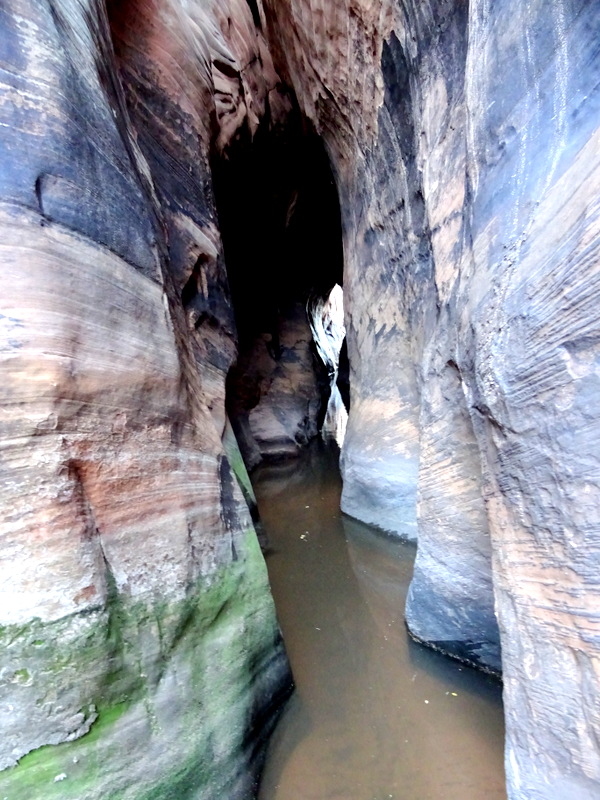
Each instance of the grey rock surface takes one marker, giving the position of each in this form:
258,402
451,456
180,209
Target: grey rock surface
278,399
464,139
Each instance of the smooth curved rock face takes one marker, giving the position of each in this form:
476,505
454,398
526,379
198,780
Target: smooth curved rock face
537,223
464,138
451,603
138,635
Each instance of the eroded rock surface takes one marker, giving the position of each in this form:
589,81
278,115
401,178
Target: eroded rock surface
138,634
281,396
464,139
464,143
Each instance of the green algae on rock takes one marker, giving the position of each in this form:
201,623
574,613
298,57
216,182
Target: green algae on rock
175,689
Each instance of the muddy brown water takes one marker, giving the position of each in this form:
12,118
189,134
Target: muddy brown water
374,715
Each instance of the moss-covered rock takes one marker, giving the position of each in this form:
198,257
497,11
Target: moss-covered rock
176,695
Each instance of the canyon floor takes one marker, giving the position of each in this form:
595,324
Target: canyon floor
375,715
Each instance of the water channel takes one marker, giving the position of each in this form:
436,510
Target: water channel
374,715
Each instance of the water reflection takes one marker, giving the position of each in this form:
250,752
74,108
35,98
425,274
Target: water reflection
374,715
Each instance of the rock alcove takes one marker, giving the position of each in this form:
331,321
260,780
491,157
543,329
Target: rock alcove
280,222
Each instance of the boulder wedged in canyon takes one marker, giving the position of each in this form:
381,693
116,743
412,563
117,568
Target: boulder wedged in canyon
464,141
141,656
284,386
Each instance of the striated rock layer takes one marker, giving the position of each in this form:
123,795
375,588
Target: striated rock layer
464,139
137,630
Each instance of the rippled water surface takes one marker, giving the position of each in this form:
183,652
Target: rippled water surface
374,716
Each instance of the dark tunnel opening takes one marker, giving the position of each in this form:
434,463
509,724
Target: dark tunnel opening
280,221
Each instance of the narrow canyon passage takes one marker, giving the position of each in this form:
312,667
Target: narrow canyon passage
190,192
374,716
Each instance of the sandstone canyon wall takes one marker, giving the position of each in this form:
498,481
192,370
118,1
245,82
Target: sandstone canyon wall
464,138
145,143
141,657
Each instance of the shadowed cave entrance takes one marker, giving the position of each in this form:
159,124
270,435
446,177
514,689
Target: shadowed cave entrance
280,221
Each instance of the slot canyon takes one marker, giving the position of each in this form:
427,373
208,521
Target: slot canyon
188,189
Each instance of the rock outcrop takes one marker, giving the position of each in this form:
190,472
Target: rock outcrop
138,633
464,140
